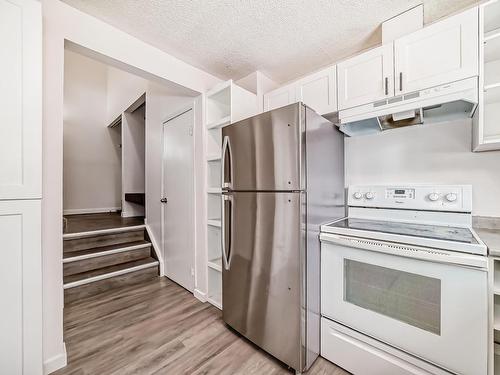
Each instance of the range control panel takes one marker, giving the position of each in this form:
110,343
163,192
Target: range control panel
457,198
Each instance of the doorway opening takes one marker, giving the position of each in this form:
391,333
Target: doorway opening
117,232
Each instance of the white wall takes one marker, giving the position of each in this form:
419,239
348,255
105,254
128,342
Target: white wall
63,23
433,154
91,163
123,90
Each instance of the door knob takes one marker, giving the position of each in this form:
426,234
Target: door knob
164,200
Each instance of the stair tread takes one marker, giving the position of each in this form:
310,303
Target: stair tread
106,270
101,249
102,232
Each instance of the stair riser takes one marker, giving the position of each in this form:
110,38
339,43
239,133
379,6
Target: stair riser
86,243
91,289
89,264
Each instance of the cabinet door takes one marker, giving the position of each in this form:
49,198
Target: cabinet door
20,288
366,78
21,98
443,52
280,97
319,91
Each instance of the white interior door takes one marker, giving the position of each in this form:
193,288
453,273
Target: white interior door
178,197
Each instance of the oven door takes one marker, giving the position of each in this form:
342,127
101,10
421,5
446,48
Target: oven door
437,311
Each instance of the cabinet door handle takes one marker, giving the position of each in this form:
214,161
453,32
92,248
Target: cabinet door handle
400,81
386,84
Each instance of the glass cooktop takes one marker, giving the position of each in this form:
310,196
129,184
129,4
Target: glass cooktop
436,232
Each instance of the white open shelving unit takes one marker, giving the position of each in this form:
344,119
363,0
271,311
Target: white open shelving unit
487,126
495,316
225,104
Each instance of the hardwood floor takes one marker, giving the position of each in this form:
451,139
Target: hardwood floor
90,222
157,327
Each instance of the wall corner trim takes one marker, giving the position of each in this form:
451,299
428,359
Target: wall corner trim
156,248
56,362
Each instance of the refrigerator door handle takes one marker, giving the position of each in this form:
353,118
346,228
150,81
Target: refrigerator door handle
226,148
226,251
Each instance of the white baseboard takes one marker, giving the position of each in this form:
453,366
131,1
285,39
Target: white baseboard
200,295
56,362
79,211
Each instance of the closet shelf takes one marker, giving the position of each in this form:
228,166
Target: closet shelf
492,34
214,223
216,264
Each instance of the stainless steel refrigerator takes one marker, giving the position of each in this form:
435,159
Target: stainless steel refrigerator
283,176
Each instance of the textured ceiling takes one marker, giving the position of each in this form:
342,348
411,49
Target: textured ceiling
282,38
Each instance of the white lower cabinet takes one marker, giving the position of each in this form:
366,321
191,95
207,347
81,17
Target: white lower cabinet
21,288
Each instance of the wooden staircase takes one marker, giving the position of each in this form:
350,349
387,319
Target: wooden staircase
100,260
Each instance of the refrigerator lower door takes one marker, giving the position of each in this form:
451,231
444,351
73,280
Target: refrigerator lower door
263,280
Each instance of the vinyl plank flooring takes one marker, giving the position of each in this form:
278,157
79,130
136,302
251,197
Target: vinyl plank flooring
91,222
157,327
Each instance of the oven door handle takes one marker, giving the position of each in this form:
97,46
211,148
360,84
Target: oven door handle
409,251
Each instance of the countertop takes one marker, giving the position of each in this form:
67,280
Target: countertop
488,230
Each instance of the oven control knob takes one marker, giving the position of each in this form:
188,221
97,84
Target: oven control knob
451,197
433,197
369,195
358,195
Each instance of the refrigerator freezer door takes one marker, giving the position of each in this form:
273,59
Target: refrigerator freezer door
263,287
264,152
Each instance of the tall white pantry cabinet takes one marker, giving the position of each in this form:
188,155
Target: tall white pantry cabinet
20,187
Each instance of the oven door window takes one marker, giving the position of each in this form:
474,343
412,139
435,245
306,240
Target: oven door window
411,298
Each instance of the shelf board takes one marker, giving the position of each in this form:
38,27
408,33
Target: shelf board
213,157
492,49
214,190
219,123
491,86
215,264
214,223
492,34
214,302
492,94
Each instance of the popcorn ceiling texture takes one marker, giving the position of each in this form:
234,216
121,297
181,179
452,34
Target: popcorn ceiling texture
282,38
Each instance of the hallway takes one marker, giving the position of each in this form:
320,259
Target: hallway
158,327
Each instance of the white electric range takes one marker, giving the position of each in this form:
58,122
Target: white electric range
404,286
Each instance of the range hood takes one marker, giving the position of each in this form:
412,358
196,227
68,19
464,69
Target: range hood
456,100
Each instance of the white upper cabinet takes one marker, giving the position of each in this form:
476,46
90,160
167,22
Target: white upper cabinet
280,97
443,52
366,78
21,98
319,90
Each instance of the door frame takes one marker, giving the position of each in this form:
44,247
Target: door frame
171,117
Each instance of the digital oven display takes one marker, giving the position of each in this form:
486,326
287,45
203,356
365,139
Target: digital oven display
398,193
